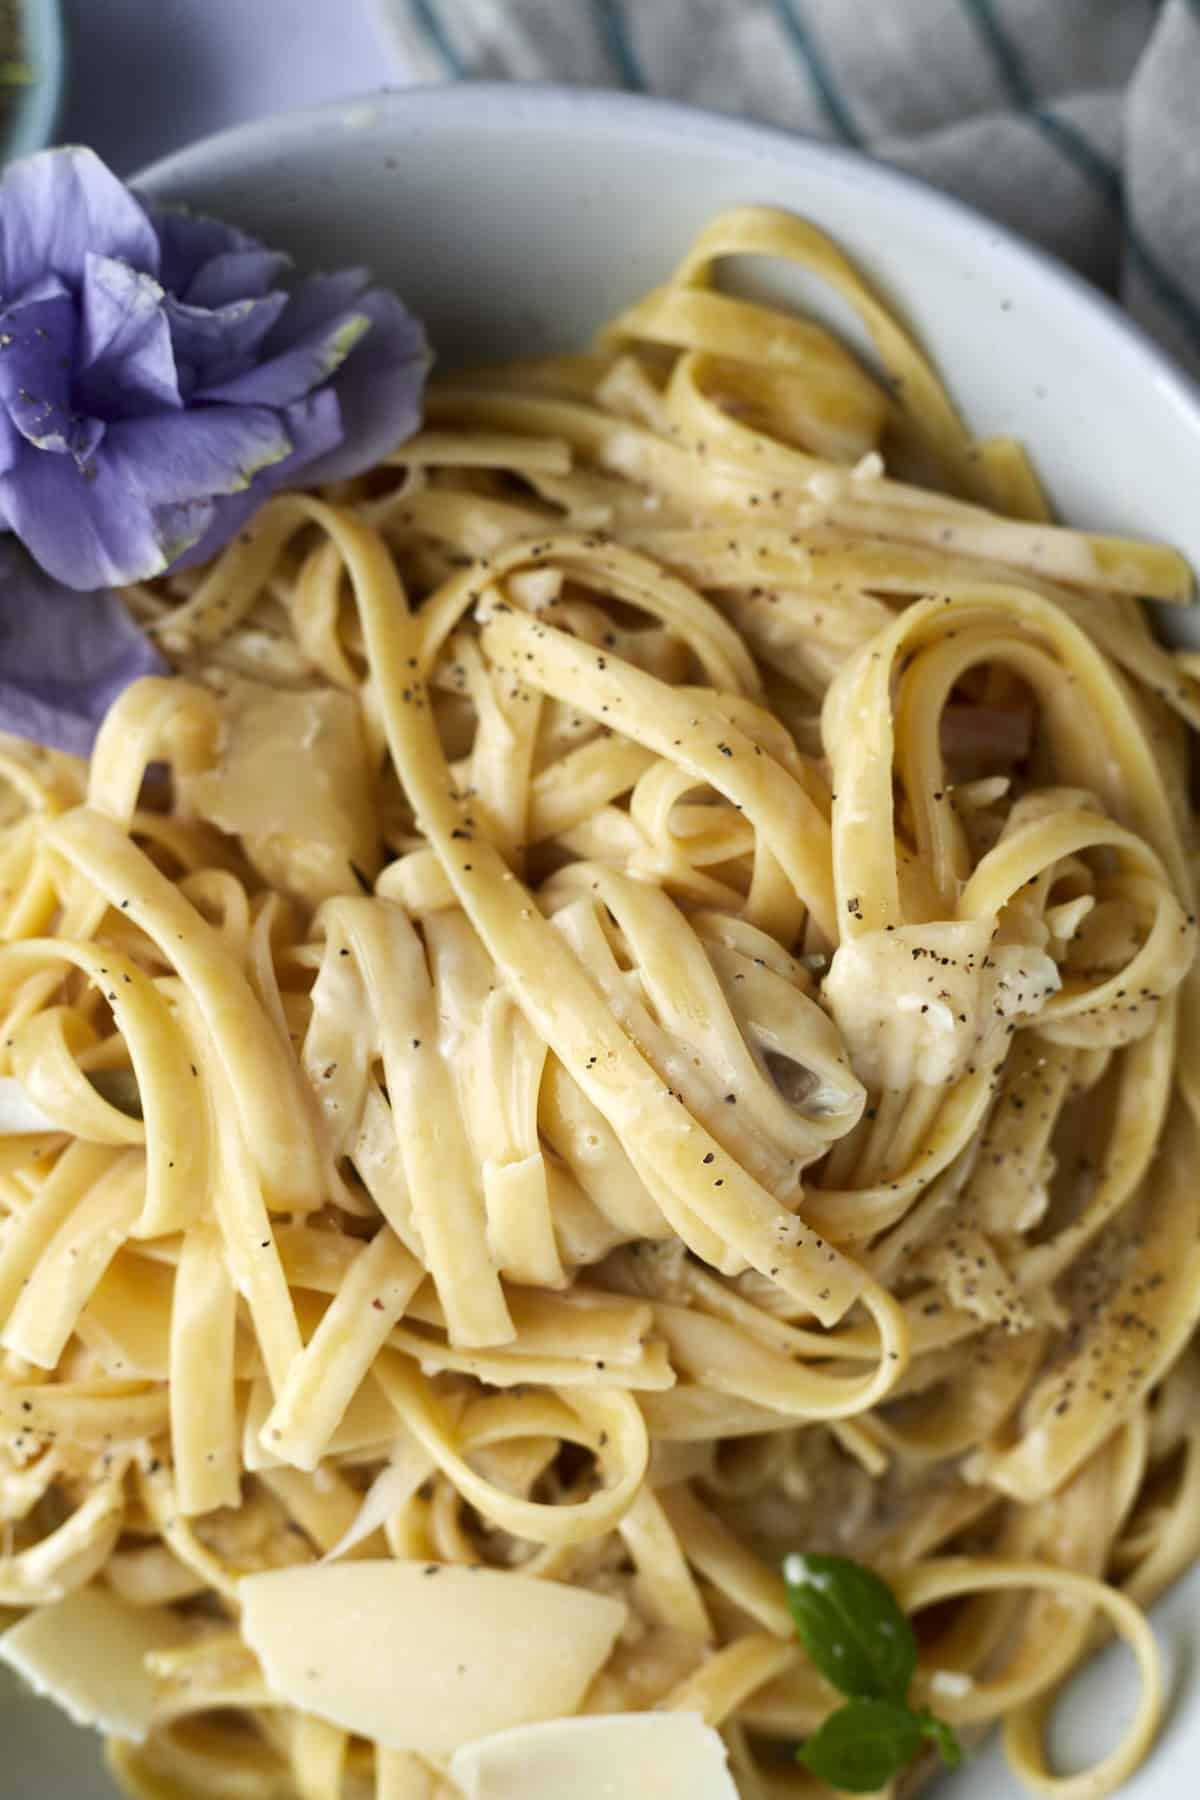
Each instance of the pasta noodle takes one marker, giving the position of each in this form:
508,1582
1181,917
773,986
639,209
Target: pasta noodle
631,1008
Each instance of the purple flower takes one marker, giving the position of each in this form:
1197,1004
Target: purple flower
64,656
157,383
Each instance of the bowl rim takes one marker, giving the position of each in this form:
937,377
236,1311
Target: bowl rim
546,107
36,112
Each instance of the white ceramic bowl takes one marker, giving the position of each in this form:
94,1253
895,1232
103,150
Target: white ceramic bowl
516,219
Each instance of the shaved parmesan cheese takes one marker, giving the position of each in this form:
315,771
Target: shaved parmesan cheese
925,1003
294,783
391,1489
425,1656
625,1756
950,1684
88,1654
18,1114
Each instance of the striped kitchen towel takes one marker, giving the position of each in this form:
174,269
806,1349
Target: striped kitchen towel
1076,122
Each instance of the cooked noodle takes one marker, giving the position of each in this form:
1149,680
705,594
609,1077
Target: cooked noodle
630,1010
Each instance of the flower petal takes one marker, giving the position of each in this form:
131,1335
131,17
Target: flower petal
126,364
315,427
172,489
313,302
84,525
174,458
182,525
58,205
38,345
211,343
64,656
46,287
234,275
188,240
379,388
10,448
155,387
297,371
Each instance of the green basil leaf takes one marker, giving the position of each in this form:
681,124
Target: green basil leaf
939,1733
849,1622
862,1745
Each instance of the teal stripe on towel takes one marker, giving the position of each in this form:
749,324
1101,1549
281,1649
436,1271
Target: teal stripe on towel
433,29
1070,142
838,112
615,33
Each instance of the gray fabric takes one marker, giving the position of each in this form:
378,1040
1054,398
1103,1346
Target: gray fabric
1076,122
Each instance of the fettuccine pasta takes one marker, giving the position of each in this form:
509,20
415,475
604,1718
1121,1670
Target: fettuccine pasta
629,1009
